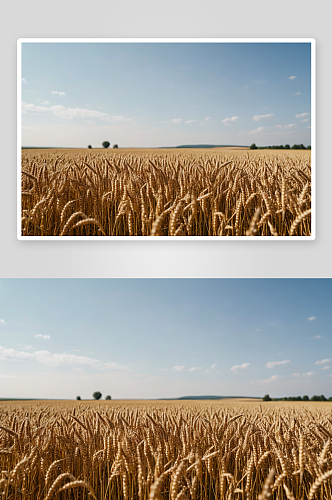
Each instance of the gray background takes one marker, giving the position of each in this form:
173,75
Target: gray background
165,18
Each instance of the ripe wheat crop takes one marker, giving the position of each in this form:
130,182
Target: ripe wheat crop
225,193
169,452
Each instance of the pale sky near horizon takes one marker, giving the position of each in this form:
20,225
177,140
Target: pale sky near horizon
164,338
165,94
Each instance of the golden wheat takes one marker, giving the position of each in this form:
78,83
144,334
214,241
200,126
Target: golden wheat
186,193
196,451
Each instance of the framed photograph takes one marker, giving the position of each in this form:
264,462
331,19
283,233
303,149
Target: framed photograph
166,138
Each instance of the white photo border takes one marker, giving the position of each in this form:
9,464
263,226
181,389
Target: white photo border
312,41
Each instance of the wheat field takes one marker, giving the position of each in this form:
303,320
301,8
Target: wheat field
174,450
219,192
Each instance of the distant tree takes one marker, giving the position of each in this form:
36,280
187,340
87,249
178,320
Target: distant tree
89,146
108,398
305,398
266,398
253,146
287,146
309,147
315,398
115,146
78,398
330,399
323,398
97,395
106,144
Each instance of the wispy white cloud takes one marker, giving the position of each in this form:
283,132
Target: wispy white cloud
259,117
322,362
177,120
179,368
70,113
272,364
292,77
24,80
212,368
326,367
305,120
120,119
303,375
311,318
236,368
40,336
191,121
63,112
258,130
297,93
226,121
57,92
317,337
274,378
302,115
291,125
54,360
2,322
194,369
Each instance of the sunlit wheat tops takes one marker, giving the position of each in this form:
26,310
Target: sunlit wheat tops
229,451
229,193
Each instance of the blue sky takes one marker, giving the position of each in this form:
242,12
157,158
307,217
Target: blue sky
165,94
155,338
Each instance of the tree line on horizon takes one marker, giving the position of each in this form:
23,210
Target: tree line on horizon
106,144
97,395
287,146
297,398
